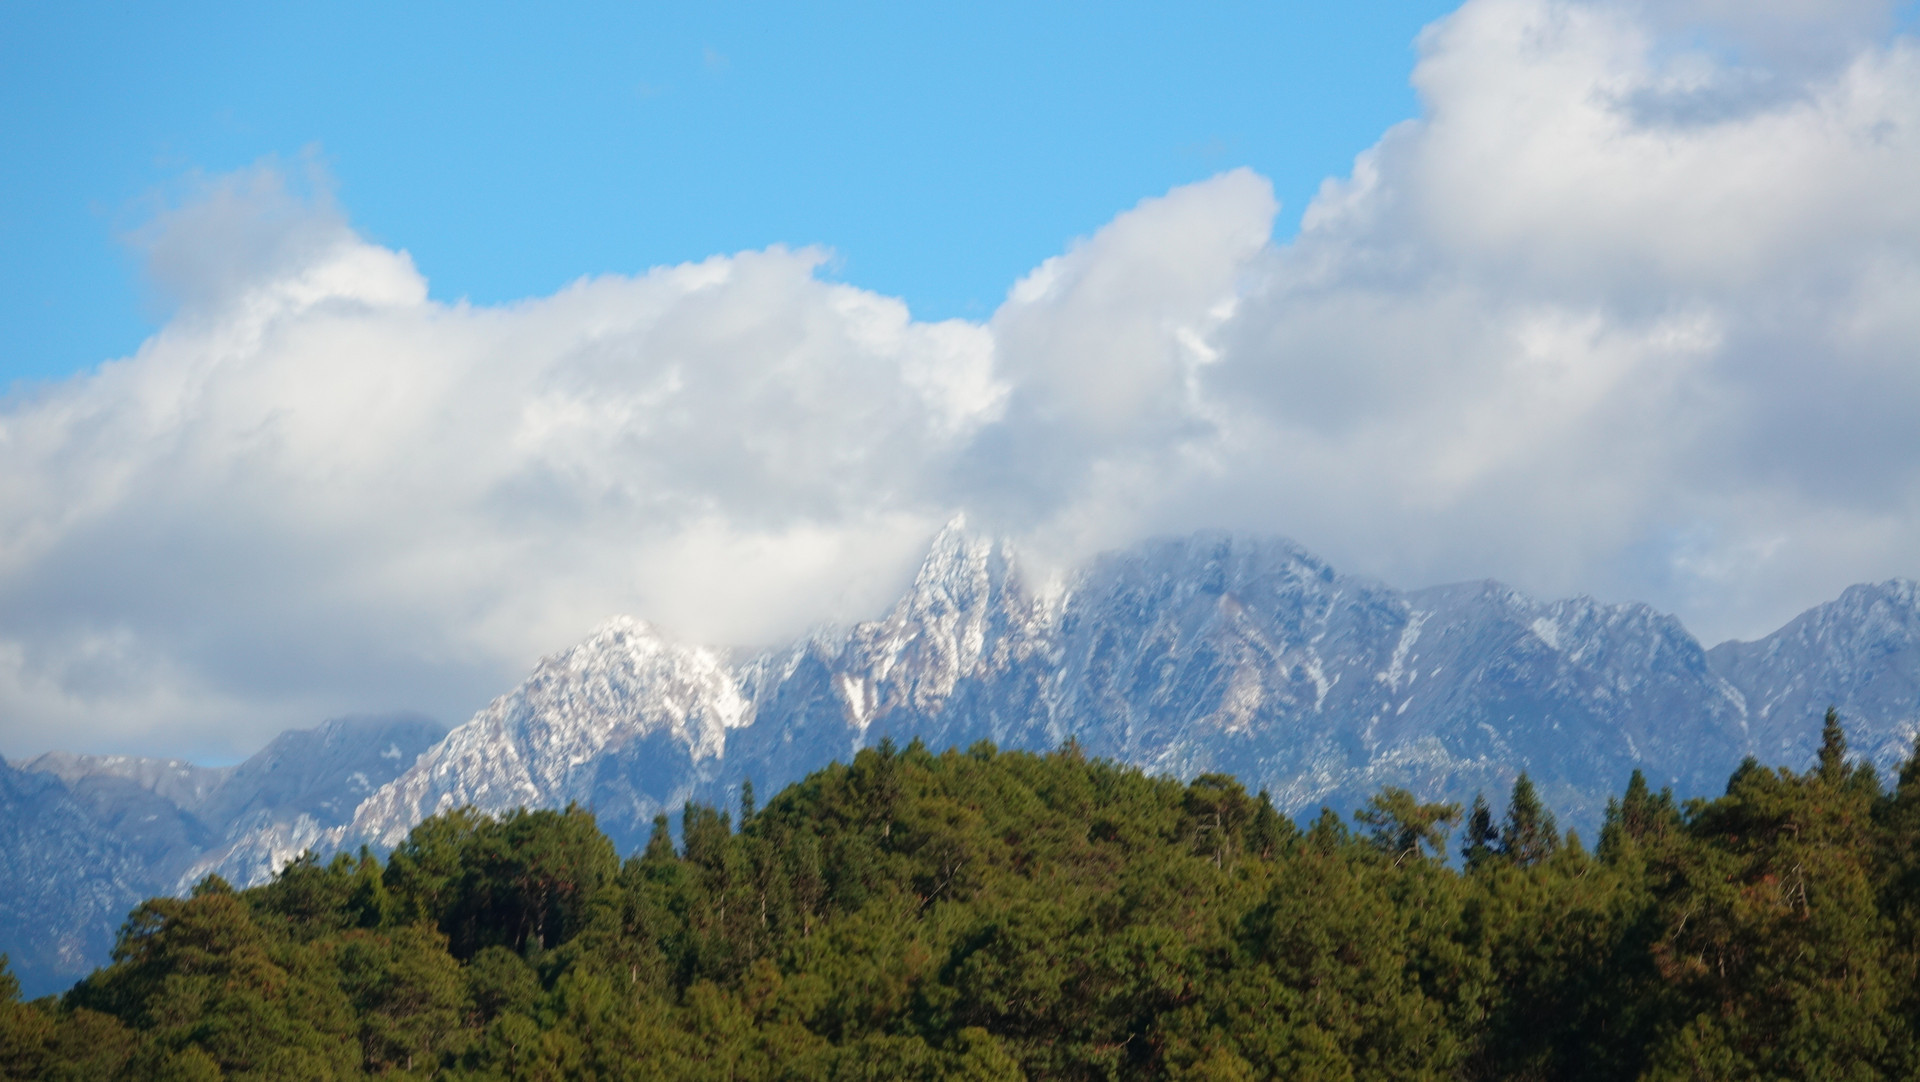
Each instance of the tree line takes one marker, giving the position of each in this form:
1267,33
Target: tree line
985,915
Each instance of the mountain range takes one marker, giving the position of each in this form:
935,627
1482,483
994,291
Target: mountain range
93,835
1189,655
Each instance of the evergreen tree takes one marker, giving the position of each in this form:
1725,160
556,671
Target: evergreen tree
660,843
1640,813
1637,817
1833,748
1908,779
1773,940
24,1031
1481,835
1528,836
1402,827
1269,829
1005,915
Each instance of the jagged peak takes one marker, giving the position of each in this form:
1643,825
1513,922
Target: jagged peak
1223,554
1899,592
954,547
635,640
177,780
621,626
1897,599
962,570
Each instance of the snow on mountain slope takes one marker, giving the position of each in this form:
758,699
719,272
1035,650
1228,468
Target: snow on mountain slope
92,835
176,781
1185,655
1578,692
66,882
297,792
624,722
150,806
970,621
1859,652
936,636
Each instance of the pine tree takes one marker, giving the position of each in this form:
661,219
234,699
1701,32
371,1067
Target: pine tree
1529,835
1328,832
1481,835
1269,829
24,1031
660,844
1634,807
369,904
1402,825
1833,749
1637,817
1085,914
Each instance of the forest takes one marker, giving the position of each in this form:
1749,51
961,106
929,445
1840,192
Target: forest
975,914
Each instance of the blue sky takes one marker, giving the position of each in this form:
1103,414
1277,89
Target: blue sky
941,150
361,355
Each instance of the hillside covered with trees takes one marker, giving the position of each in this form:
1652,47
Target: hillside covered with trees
980,915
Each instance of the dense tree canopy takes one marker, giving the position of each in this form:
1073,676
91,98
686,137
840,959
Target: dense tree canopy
978,915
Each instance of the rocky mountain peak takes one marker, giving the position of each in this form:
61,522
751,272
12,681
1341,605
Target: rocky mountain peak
1859,652
628,683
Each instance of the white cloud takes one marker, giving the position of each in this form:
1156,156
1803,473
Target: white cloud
316,490
1563,331
1628,310
1102,349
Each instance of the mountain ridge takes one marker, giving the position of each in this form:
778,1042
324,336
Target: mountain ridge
1185,655
1192,654
94,835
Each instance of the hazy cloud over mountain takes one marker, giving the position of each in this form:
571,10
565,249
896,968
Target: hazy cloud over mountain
1629,310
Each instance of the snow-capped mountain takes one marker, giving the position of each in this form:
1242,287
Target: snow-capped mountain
1860,652
298,791
627,721
1206,653
66,882
1186,655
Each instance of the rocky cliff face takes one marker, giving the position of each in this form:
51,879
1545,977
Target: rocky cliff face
298,791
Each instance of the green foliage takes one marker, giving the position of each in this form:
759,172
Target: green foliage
1403,827
1477,846
1528,836
1638,819
1833,748
978,915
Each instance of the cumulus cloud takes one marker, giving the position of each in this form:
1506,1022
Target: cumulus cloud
1557,332
1627,310
317,490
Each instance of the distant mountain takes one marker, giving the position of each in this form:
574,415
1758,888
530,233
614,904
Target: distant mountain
91,835
1207,653
623,723
1860,652
1188,655
66,882
289,795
